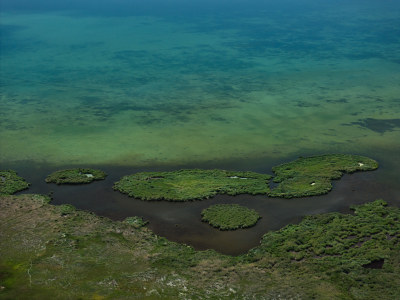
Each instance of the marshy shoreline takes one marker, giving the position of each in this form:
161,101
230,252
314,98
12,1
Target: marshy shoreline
181,222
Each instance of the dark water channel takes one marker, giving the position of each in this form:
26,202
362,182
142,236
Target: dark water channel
181,222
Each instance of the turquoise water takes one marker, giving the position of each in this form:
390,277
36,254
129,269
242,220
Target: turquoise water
128,86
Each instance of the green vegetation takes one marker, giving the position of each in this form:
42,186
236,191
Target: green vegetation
342,248
75,176
11,183
300,178
46,255
66,209
136,222
185,185
229,216
312,175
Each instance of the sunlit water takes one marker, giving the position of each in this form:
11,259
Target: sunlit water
243,85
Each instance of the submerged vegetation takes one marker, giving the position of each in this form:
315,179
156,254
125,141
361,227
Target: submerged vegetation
313,175
75,176
229,216
11,183
185,185
44,254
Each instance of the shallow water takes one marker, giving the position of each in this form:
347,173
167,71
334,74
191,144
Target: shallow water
244,85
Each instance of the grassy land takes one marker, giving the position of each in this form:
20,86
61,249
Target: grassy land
75,176
229,216
11,183
313,175
300,178
47,254
185,185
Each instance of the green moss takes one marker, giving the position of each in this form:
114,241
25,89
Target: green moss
136,222
195,184
229,216
312,175
75,176
11,183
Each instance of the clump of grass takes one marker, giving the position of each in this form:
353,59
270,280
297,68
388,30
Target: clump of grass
11,183
75,176
229,216
185,185
313,175
136,222
66,209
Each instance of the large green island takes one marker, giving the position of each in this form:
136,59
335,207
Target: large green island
303,177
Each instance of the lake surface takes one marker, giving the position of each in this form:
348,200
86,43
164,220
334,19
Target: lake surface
128,86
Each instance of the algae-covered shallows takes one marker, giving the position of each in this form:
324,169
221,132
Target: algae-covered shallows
75,176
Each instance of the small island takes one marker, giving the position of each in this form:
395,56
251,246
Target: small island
186,185
75,176
10,182
312,176
229,216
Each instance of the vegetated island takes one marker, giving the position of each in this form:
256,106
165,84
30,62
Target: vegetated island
312,176
45,254
303,177
185,185
11,183
75,176
229,216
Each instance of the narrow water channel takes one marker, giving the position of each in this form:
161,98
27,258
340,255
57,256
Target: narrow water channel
181,222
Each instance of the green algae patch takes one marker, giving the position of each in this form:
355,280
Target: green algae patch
229,216
11,183
186,185
136,222
75,176
313,175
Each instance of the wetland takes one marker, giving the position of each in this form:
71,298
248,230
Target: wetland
153,87
181,221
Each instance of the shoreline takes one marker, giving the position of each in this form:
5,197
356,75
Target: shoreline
181,222
60,254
